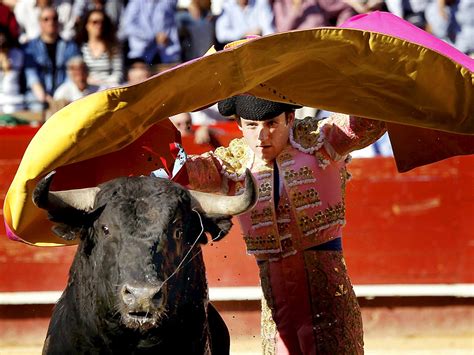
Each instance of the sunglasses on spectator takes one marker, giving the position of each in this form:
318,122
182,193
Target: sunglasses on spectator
48,19
96,22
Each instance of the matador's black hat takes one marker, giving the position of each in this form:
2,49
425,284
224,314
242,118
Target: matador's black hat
253,108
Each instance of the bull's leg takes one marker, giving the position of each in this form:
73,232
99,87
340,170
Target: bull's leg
220,338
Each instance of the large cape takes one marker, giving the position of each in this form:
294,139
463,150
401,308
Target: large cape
376,66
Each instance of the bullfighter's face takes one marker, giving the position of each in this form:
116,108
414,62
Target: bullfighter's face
267,138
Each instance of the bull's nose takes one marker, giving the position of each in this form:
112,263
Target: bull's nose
141,295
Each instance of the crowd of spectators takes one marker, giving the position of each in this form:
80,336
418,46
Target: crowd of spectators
54,50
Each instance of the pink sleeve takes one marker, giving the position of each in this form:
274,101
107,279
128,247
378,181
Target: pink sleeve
344,134
204,173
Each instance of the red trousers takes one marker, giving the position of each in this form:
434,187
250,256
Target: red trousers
312,305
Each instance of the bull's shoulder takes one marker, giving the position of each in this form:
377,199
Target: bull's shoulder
66,332
235,159
306,135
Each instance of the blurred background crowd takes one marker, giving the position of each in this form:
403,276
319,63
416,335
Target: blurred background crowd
53,52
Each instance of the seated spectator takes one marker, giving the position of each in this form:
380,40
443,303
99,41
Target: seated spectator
196,29
453,22
241,18
76,86
150,28
45,61
27,13
8,21
100,49
304,14
11,65
113,9
207,116
138,72
202,135
365,6
183,123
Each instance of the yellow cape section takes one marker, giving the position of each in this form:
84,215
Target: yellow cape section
343,70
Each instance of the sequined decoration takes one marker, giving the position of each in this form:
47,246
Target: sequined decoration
304,175
265,191
268,326
305,199
235,158
323,219
267,243
284,209
261,218
306,134
345,176
336,313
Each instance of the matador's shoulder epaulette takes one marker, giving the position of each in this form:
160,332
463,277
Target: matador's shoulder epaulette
235,159
306,135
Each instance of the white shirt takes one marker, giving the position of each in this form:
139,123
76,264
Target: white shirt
27,15
11,99
235,22
70,92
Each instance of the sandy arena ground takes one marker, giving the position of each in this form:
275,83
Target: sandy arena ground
452,345
391,327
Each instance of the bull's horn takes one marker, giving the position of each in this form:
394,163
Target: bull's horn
228,205
80,199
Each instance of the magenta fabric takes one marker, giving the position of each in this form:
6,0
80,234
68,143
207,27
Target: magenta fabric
387,23
415,146
10,234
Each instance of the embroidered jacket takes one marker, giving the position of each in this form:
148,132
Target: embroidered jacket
312,174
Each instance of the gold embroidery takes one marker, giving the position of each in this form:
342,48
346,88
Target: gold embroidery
283,209
236,157
261,217
323,160
302,176
268,326
341,291
308,198
265,191
266,243
345,176
286,159
322,219
306,132
283,229
336,315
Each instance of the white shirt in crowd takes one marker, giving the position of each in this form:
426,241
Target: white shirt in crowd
69,91
11,99
27,15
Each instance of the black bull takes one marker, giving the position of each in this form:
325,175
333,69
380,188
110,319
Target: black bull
137,283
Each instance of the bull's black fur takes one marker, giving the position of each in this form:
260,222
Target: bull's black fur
138,233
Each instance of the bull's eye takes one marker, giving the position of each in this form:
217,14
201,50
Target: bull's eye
178,233
105,229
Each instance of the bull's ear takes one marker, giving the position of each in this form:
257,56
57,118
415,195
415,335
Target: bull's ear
66,232
73,226
217,225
